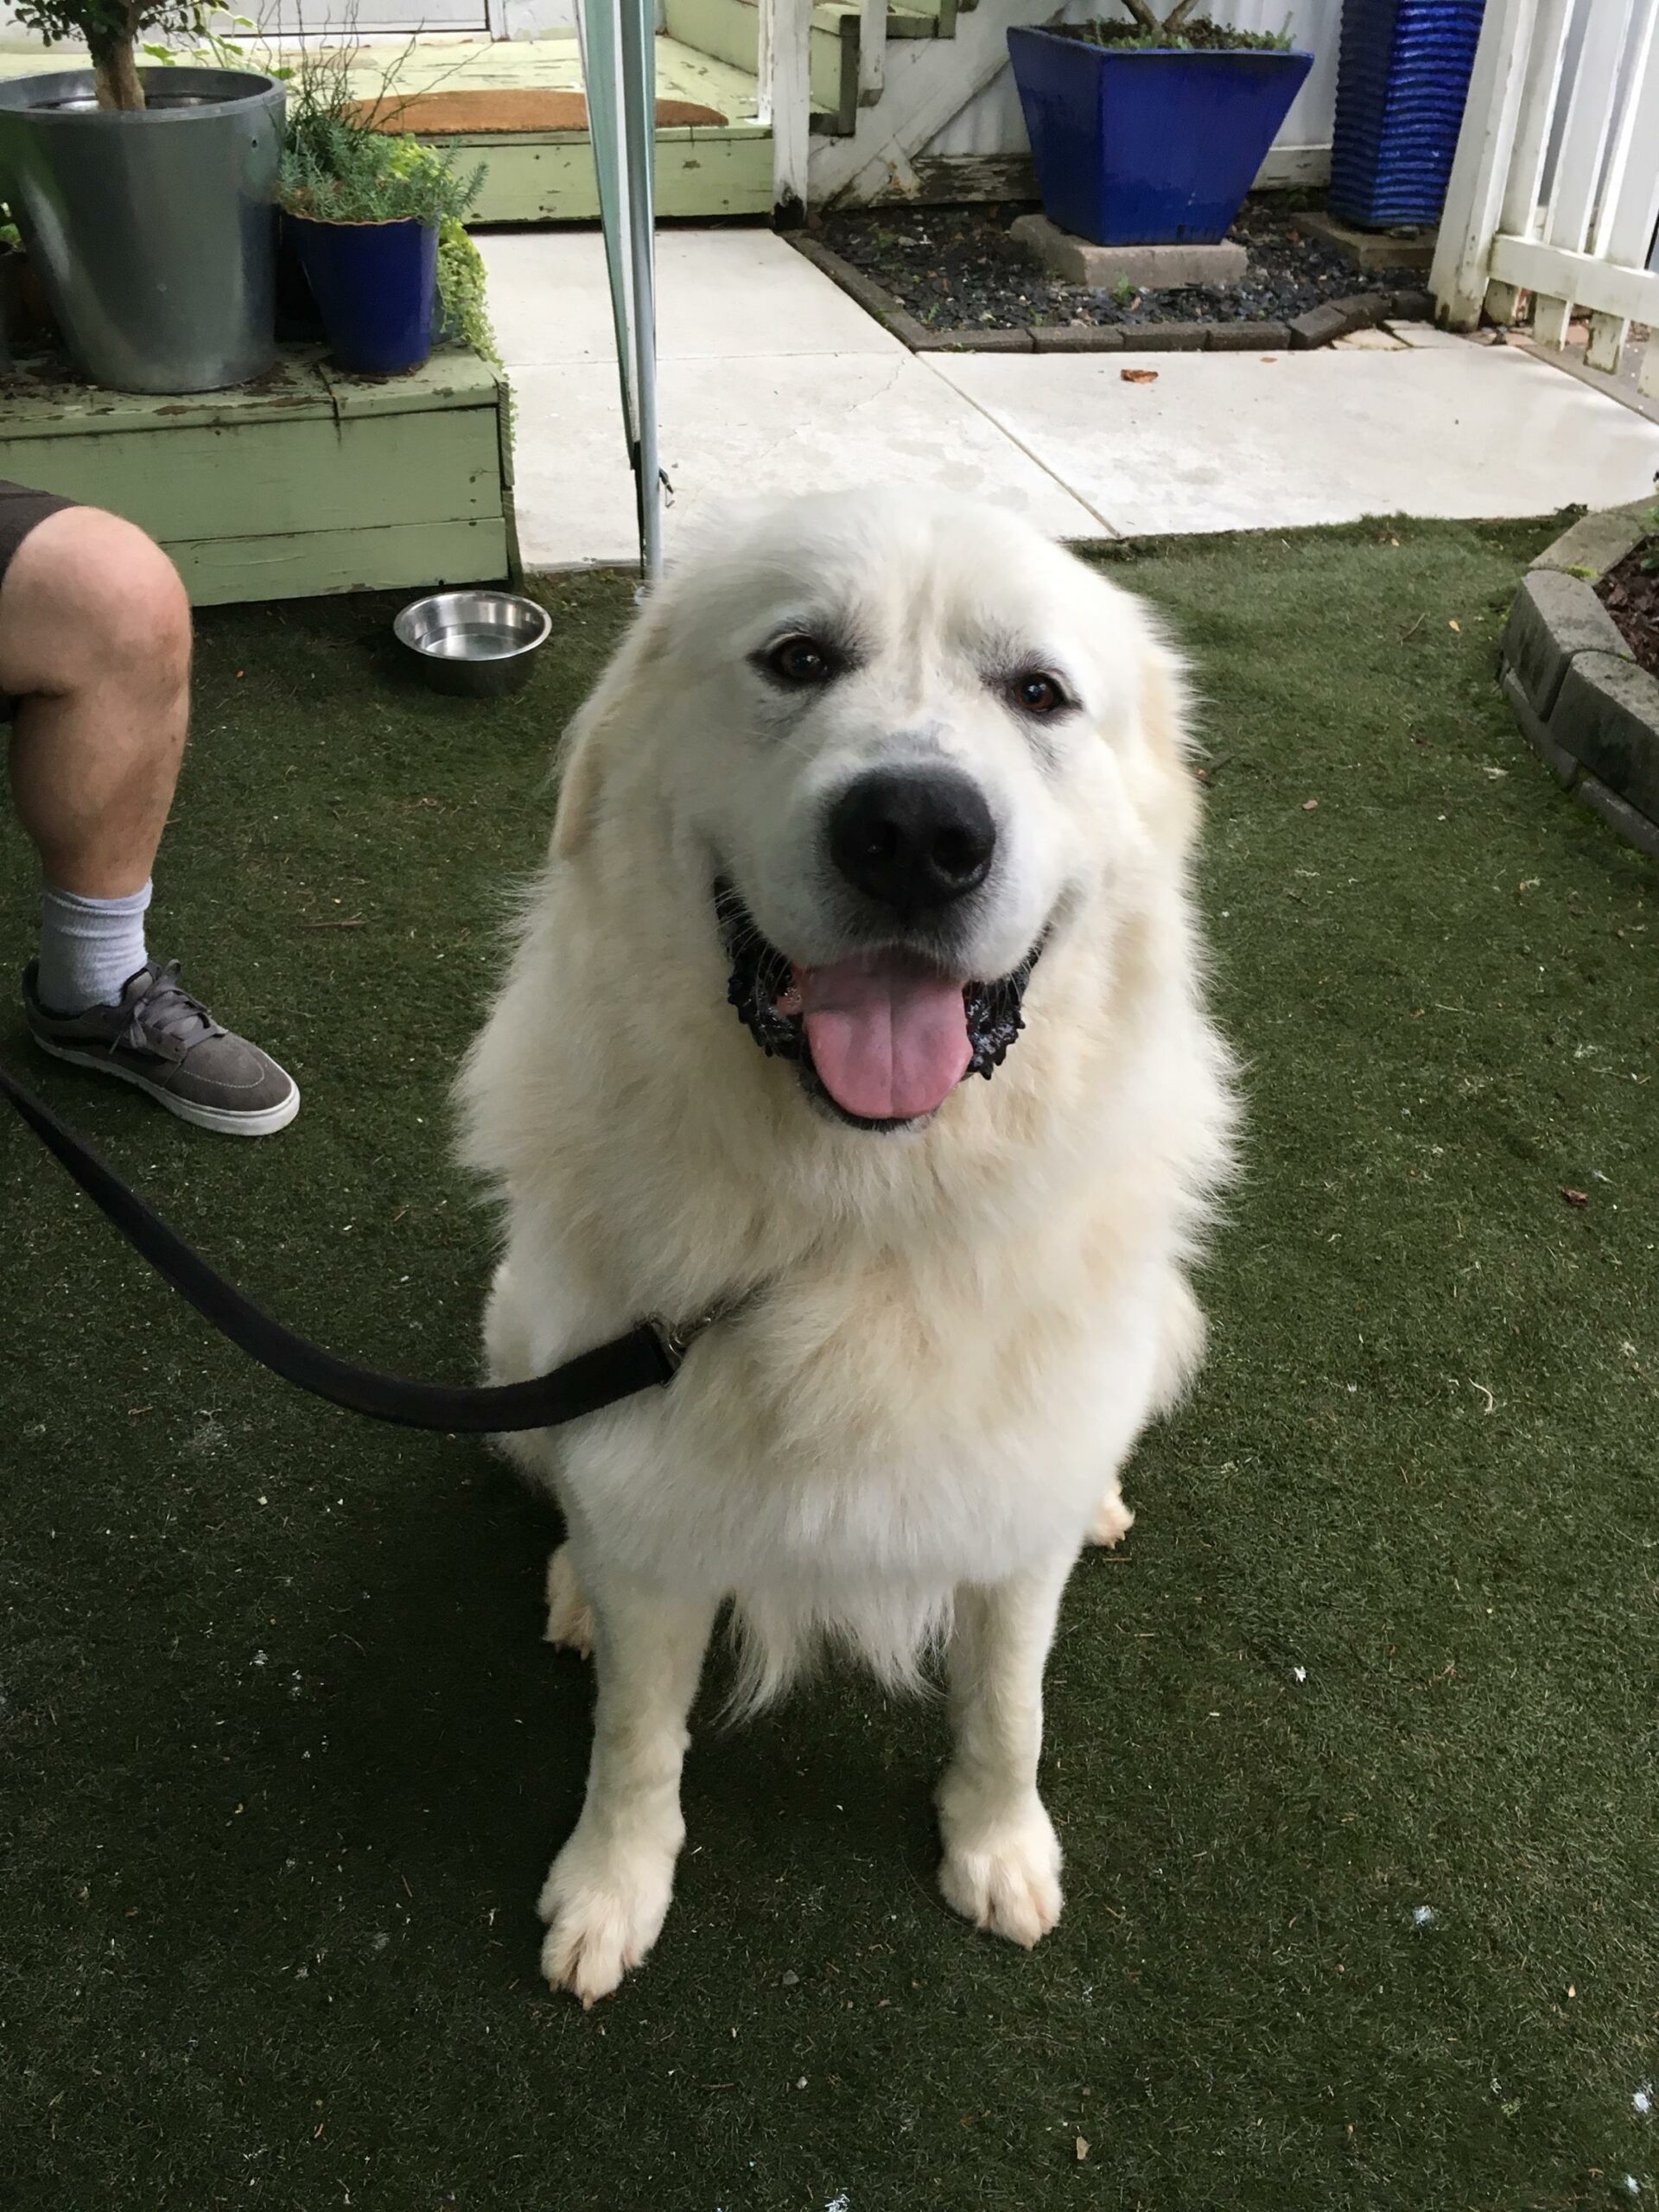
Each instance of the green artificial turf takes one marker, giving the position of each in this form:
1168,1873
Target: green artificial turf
1352,1749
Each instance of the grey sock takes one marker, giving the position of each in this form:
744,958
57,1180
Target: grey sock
90,948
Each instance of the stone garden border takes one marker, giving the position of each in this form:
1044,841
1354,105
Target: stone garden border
1583,703
1331,320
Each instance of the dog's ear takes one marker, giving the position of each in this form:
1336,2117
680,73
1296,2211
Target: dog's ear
610,706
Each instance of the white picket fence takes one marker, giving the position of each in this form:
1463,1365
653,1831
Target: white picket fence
1555,188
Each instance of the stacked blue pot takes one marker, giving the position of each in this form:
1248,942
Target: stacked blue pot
1401,81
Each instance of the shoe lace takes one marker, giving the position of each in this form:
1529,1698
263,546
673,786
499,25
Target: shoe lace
166,1014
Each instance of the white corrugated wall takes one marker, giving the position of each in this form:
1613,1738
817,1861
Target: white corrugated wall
992,124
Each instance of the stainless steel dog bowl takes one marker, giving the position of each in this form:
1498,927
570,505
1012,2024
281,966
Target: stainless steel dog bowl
477,643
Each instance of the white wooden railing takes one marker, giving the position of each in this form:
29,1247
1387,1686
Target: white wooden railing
1555,188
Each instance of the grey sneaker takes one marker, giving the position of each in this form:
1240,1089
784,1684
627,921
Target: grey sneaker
168,1043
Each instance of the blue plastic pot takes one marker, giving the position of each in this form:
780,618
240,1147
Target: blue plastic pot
1403,77
1148,146
374,285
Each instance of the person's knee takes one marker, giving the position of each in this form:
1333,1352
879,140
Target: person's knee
95,598
137,613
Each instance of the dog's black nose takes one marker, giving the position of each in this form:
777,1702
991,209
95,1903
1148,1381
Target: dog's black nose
914,838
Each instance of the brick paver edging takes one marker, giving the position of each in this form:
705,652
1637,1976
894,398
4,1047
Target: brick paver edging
1333,319
1585,707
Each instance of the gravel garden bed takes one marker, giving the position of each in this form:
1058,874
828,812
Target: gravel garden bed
943,276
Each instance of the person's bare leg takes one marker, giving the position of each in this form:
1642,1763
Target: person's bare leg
95,648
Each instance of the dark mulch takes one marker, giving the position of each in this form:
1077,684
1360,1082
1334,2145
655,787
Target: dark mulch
1631,594
953,267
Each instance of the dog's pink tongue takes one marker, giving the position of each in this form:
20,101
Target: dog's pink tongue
889,1036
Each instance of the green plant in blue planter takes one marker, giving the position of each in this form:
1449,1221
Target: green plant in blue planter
1148,130
364,211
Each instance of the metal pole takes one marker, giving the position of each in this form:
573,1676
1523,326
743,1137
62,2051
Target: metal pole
619,68
639,147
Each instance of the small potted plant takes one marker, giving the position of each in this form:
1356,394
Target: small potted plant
363,211
1149,130
144,196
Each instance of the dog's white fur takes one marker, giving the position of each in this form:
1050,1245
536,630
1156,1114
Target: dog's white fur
962,1326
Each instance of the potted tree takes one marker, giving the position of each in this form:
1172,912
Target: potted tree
144,196
1149,130
363,211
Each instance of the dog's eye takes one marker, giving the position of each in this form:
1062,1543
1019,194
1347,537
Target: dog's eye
1036,692
800,660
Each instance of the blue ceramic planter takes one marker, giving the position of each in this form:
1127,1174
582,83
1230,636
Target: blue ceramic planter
1149,147
374,285
1401,81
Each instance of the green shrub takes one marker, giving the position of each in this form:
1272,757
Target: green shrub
461,291
337,168
336,171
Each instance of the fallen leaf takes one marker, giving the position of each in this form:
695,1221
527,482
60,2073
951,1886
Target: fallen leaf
1308,805
1458,627
1083,2148
1138,376
1576,1197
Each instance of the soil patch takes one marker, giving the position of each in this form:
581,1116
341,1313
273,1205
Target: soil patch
1631,594
957,267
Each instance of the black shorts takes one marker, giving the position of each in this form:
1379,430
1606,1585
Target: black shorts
20,509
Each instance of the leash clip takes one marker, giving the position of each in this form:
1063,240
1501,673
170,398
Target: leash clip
675,1339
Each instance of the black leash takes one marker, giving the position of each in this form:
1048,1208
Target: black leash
648,1357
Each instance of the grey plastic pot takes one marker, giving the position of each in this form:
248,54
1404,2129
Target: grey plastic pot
154,232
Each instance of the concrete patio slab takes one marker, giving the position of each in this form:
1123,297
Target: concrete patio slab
757,423
1234,442
720,294
773,380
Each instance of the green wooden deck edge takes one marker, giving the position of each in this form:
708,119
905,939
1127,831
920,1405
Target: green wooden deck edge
220,572
310,481
549,177
304,386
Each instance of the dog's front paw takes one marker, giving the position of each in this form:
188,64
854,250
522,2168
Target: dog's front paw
604,1910
569,1616
1000,1869
1113,1519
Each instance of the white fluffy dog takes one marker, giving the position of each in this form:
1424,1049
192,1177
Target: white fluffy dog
882,794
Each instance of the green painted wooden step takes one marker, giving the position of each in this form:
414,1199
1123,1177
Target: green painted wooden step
729,30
